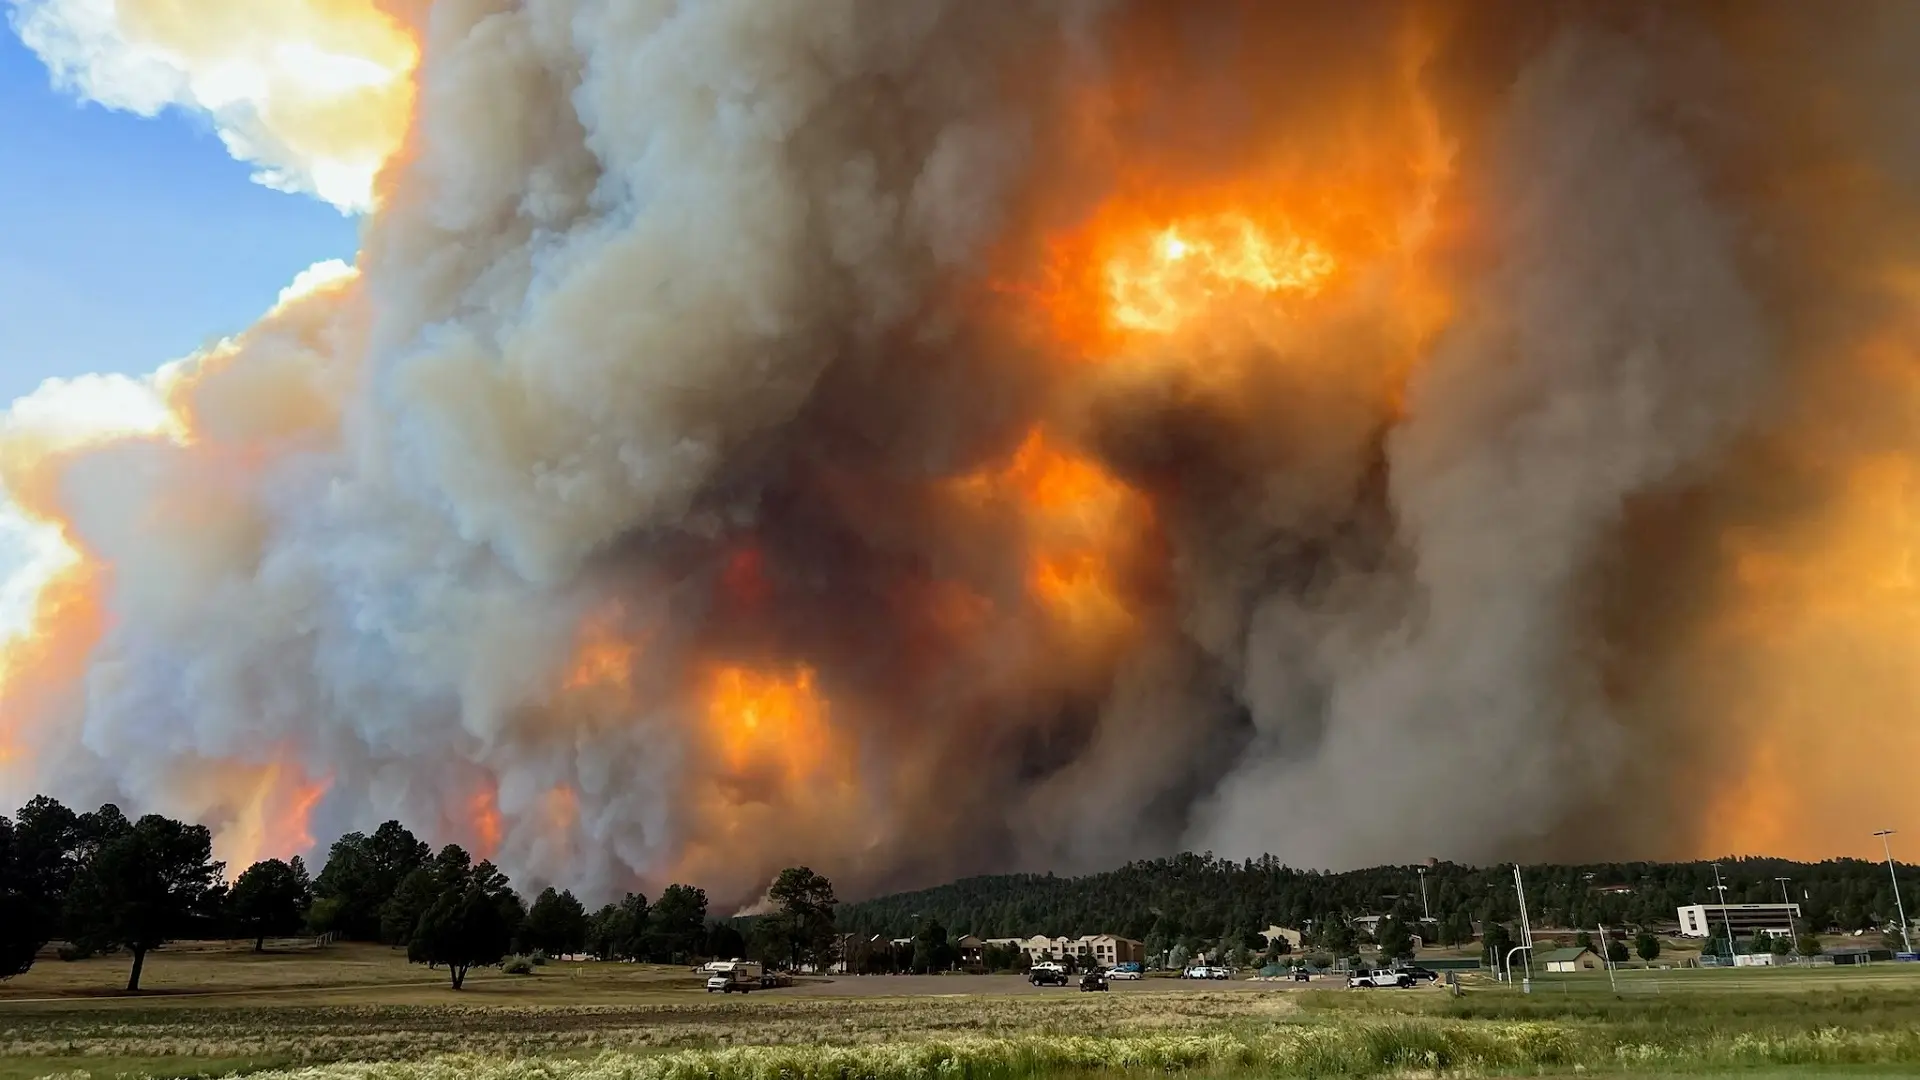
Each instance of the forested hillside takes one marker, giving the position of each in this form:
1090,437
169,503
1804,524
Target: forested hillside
1199,899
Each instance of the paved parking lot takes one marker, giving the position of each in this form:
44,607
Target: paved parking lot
914,985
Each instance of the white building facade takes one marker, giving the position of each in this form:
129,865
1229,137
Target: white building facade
1706,920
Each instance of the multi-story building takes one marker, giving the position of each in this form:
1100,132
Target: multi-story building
1105,950
1111,949
1706,920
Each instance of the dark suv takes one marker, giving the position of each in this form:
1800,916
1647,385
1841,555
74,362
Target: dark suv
1093,980
1047,976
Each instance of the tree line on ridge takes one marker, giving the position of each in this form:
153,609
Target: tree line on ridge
101,883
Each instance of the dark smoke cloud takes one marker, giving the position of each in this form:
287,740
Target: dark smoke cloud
744,341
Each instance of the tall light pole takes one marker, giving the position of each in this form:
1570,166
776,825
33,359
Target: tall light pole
1725,917
1425,911
1607,959
1787,900
1887,845
1526,935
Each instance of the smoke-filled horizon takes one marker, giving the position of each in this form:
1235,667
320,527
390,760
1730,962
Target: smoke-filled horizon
915,438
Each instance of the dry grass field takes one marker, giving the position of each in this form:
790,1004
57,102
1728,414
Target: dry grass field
342,974
363,1013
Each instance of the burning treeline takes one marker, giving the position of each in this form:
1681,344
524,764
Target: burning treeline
917,438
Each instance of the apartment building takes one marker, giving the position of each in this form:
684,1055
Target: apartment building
1104,950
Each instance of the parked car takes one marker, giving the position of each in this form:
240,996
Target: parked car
1377,978
1217,973
1047,975
1093,980
1420,974
1122,973
1300,975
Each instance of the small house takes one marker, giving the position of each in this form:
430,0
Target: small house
1573,960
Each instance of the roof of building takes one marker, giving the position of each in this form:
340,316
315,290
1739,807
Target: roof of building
1563,955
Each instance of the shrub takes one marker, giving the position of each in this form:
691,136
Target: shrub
539,957
517,965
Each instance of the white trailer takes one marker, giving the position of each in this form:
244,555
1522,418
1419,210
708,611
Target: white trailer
727,976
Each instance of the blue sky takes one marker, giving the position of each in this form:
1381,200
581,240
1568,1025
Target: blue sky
126,242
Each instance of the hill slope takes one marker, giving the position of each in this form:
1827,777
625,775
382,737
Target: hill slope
1201,899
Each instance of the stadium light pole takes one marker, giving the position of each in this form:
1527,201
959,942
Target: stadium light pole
1608,961
1526,935
1788,901
1725,917
1425,911
1897,905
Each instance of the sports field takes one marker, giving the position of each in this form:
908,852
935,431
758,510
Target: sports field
351,1012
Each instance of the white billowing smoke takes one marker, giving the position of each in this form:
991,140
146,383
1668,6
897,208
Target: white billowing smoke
313,92
647,504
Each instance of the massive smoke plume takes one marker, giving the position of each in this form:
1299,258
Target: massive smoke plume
915,437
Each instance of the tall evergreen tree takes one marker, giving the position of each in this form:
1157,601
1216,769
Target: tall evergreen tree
139,887
619,931
805,916
556,923
25,923
361,875
270,897
676,926
465,927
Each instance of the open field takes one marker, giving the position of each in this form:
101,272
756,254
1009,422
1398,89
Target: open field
360,1013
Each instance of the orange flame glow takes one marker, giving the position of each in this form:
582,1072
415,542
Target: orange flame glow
50,659
1161,280
769,722
271,807
780,768
1079,522
560,809
602,657
483,812
1806,658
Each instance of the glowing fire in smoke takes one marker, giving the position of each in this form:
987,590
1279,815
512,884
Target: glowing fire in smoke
769,722
779,766
1079,522
37,666
1176,273
603,657
270,812
483,813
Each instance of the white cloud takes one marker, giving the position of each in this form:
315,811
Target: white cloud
315,93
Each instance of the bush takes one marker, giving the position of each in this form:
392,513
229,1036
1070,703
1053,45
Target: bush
539,957
517,965
70,953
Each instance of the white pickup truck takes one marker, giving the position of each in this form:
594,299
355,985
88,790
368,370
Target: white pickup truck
1377,978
